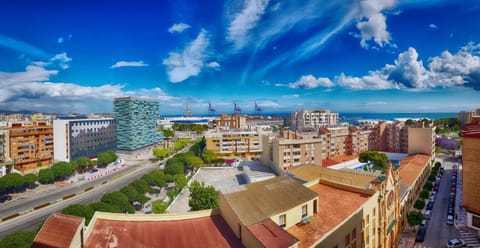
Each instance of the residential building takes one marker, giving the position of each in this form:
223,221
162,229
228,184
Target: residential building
467,117
136,122
311,120
421,140
235,121
30,146
3,161
74,138
235,143
470,171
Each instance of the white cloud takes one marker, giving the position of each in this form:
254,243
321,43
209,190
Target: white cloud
310,82
139,63
433,26
372,22
190,61
244,21
178,28
61,59
214,65
60,40
267,104
280,85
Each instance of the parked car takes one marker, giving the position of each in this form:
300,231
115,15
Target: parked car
421,234
4,198
428,214
424,223
453,189
454,243
430,206
450,211
449,219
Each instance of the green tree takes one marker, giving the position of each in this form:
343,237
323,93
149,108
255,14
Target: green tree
202,197
438,149
105,158
83,162
46,176
168,133
174,168
119,199
428,186
19,239
180,181
141,186
13,181
30,179
160,153
409,122
105,207
149,179
419,204
61,170
171,194
194,161
80,210
414,218
130,192
159,207
424,194
209,156
377,158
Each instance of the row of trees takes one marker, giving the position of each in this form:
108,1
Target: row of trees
190,127
13,182
415,217
447,125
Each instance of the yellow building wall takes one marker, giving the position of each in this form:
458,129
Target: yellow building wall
294,215
248,240
336,238
229,216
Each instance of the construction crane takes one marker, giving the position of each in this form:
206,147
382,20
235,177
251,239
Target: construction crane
211,109
188,112
236,108
258,109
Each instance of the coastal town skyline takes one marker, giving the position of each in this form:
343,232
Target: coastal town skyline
358,57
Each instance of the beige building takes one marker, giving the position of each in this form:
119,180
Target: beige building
311,120
470,172
235,143
467,117
421,140
30,146
235,121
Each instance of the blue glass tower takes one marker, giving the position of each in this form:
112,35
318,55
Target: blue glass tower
136,122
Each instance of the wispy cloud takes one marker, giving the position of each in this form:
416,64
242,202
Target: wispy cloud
433,26
178,28
139,63
310,82
189,62
23,47
214,65
62,39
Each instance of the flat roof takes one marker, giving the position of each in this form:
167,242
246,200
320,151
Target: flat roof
271,235
411,167
334,206
58,231
311,172
129,98
258,201
211,231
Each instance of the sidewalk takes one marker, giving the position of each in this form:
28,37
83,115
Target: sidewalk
407,238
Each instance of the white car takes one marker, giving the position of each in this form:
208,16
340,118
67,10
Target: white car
453,243
428,214
450,220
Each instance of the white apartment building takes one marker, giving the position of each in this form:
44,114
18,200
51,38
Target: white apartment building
309,120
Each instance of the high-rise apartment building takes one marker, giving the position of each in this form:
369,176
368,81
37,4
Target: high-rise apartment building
30,146
310,120
470,171
136,122
74,138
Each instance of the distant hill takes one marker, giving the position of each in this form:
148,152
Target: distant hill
25,112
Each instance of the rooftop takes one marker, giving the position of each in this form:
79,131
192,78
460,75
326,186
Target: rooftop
271,235
332,210
471,130
310,172
58,231
210,231
411,167
263,199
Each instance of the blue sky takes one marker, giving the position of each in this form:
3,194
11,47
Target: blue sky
347,56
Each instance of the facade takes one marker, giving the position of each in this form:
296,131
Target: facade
30,146
235,121
467,117
305,120
136,122
235,143
83,137
421,140
470,171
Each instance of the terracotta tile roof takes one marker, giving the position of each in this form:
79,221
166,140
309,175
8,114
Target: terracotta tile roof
211,231
411,167
344,158
271,235
263,199
332,210
58,231
328,162
311,172
470,130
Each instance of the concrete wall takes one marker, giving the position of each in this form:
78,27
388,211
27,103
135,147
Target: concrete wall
294,215
471,171
421,140
249,240
60,132
337,236
77,238
229,216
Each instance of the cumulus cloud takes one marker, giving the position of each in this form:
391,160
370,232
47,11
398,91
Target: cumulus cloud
178,28
408,72
433,26
244,21
214,65
372,22
310,82
190,61
139,63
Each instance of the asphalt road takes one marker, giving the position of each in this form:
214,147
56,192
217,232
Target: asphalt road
438,232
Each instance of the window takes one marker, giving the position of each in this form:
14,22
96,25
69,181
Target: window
347,240
476,221
354,233
282,220
304,211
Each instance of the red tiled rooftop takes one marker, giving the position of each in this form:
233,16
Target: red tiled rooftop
271,235
58,231
471,130
328,162
411,167
334,206
344,158
211,231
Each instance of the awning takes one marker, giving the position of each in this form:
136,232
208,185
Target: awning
392,224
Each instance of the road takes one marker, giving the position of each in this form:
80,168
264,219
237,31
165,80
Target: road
31,219
438,232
